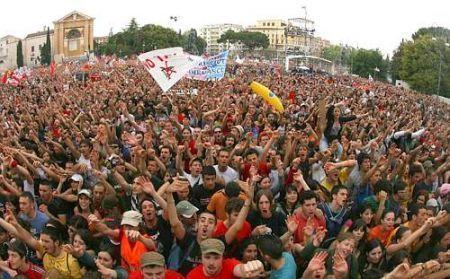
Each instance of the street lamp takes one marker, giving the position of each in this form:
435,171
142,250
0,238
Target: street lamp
440,65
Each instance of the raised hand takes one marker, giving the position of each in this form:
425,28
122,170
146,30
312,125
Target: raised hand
317,262
147,186
133,235
292,223
252,269
319,237
340,266
308,230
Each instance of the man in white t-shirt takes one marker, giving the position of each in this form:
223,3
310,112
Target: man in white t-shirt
224,172
195,175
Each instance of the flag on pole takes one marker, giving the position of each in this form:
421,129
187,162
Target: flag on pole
167,66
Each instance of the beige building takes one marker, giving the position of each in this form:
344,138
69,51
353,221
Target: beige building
74,36
32,45
8,53
212,33
317,45
274,29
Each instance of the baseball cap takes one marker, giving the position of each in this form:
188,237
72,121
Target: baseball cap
432,203
132,218
152,258
76,177
445,189
186,209
212,245
85,192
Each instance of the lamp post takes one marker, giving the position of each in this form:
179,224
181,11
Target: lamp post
440,64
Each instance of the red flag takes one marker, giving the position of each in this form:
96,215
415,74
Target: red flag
5,77
52,68
292,96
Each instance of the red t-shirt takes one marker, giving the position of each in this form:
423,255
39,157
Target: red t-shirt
263,170
242,234
228,266
170,274
316,223
33,272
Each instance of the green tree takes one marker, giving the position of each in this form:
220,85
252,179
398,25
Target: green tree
19,54
229,36
369,62
332,53
423,61
437,32
251,40
192,43
46,50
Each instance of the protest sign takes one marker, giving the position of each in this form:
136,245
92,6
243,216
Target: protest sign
167,66
211,68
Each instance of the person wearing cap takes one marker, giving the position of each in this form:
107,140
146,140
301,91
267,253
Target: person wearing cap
70,195
84,205
444,194
188,214
215,266
17,261
187,242
132,243
153,266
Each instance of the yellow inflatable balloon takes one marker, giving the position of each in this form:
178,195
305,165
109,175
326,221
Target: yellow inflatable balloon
267,95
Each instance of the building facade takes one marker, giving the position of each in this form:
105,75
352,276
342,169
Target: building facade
8,52
32,46
212,33
74,36
274,29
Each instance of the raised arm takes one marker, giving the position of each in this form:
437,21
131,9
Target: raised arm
232,232
175,223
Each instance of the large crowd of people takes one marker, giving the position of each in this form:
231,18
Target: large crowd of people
110,177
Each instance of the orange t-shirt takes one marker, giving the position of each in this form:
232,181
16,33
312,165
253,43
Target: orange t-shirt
378,233
217,204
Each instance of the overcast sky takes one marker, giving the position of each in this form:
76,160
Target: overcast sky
369,24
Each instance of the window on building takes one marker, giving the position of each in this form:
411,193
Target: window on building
32,48
264,24
273,23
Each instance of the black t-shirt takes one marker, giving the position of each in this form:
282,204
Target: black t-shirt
163,236
276,222
55,207
202,196
195,256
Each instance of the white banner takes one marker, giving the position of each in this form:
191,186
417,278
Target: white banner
169,65
211,68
